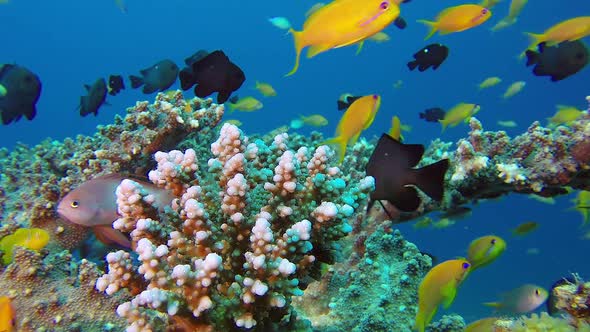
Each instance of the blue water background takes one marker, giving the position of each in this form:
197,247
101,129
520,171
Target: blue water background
70,43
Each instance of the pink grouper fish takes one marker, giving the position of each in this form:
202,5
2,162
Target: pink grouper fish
94,204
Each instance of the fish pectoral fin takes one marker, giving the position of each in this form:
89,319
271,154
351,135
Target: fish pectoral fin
108,235
360,47
448,291
317,49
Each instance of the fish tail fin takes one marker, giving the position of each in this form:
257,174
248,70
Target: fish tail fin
444,125
433,27
532,57
136,81
232,107
495,305
340,142
412,64
431,179
298,47
535,39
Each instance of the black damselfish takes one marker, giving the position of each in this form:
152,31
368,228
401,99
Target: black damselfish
392,165
559,61
433,114
116,84
432,55
95,98
213,73
20,89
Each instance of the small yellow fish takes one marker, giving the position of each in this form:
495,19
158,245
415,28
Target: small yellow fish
582,205
342,23
314,120
280,22
525,228
443,223
521,300
423,223
568,30
516,7
29,238
546,200
507,123
457,19
513,89
439,286
234,122
379,37
396,129
484,250
482,325
565,115
489,82
357,117
460,112
7,315
314,9
246,104
265,89
489,3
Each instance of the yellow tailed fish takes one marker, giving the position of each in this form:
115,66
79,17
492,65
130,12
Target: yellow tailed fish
357,117
457,19
457,114
439,286
342,23
568,30
484,250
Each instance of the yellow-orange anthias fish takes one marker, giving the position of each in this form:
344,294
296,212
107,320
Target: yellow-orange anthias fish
457,19
439,286
568,30
342,23
358,117
7,315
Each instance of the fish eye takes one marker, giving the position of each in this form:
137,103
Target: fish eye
493,241
466,265
384,5
484,11
537,292
75,204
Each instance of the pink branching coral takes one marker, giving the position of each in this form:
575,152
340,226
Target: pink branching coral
239,239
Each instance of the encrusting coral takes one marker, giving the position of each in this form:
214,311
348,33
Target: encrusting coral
254,222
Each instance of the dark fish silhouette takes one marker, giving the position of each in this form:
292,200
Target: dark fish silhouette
19,92
96,97
432,55
158,77
551,300
216,73
558,61
392,165
345,101
400,23
186,76
433,114
116,84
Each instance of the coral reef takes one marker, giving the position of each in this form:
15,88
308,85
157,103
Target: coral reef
255,221
33,179
55,293
240,239
574,299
